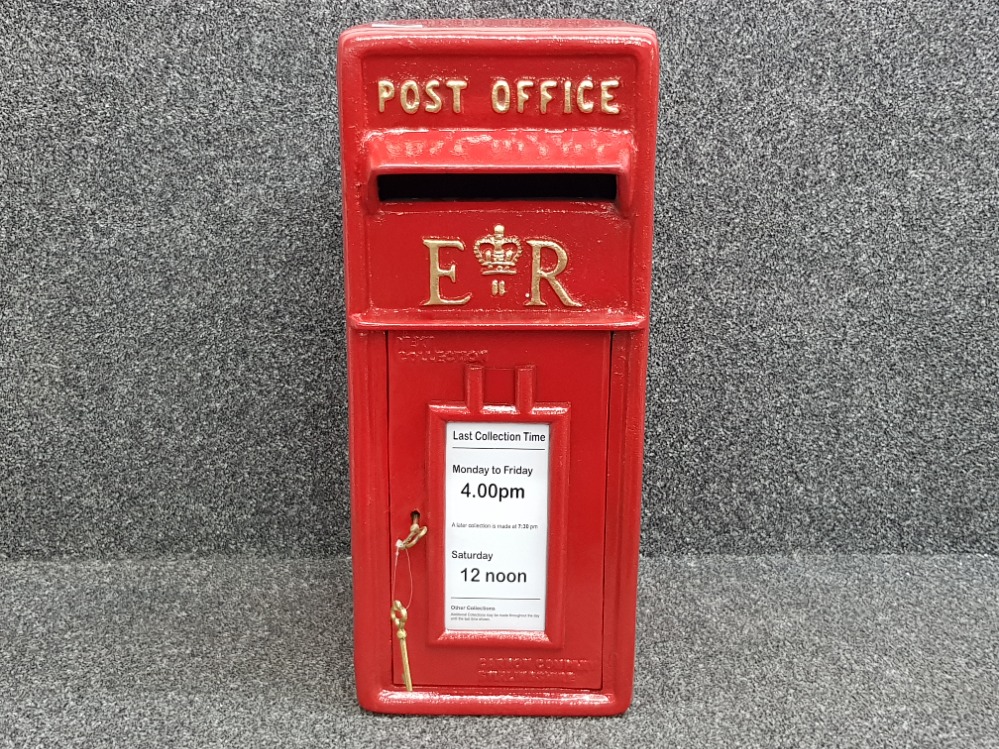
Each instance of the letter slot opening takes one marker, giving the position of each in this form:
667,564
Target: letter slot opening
465,186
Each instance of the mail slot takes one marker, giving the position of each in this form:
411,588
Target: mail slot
497,188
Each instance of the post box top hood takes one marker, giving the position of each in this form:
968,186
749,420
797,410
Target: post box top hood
491,172
545,28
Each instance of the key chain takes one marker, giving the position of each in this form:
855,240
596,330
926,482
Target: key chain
399,613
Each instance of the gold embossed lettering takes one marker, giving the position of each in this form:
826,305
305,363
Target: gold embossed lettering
456,86
581,102
546,97
567,103
538,274
436,272
607,104
522,95
435,103
409,97
385,92
501,96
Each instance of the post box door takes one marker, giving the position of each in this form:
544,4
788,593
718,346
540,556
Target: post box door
508,587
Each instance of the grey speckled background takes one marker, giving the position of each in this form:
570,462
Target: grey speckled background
824,371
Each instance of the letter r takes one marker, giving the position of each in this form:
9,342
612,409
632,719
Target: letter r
538,274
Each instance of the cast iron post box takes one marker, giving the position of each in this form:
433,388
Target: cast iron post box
498,191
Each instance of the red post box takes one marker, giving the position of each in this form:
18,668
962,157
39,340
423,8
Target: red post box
498,187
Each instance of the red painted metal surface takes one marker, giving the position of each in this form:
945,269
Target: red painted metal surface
497,181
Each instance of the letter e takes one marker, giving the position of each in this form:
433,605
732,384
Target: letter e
434,246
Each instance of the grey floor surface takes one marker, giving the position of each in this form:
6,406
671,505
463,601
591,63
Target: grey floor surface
732,651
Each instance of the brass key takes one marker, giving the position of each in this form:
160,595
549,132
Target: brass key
399,616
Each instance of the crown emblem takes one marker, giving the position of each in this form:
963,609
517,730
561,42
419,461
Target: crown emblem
498,253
